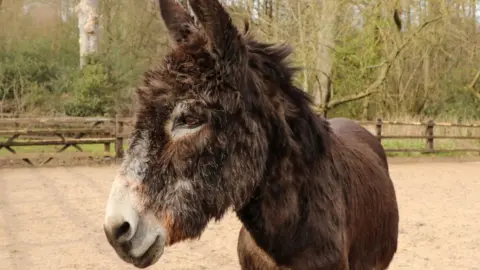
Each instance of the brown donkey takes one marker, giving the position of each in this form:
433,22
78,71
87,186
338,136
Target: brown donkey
220,124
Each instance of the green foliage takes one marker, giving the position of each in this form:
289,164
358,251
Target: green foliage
39,62
27,65
29,75
93,91
34,78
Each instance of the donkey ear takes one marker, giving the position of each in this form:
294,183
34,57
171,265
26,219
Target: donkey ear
179,23
219,28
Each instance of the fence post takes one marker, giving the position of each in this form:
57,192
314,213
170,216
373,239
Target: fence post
118,137
106,148
429,134
378,129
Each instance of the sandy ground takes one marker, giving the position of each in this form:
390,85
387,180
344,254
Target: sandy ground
51,218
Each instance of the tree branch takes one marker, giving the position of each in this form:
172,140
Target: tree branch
474,82
350,98
385,67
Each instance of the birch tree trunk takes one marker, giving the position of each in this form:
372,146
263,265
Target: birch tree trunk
65,9
328,22
87,12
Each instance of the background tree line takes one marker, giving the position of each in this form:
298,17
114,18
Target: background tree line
359,58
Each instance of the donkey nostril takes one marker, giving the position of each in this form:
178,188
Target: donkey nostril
122,230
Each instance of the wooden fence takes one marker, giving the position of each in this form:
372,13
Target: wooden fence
74,132
67,132
428,135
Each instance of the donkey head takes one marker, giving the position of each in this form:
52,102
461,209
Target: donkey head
202,135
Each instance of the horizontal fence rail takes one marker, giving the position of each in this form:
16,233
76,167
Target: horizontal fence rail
428,135
75,133
65,133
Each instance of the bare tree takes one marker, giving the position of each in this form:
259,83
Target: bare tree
385,67
328,20
87,12
473,83
66,9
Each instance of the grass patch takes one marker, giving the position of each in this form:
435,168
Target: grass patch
438,144
98,149
95,149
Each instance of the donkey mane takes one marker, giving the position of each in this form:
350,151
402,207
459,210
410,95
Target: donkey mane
305,131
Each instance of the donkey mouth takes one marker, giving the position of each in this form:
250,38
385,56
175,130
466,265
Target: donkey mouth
151,256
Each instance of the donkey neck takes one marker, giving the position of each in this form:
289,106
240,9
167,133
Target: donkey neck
277,212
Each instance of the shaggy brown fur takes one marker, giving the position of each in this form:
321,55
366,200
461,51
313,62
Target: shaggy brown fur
311,194
374,232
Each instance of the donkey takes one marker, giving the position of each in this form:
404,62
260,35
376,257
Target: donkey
220,124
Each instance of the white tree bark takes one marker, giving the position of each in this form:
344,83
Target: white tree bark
326,43
88,26
66,9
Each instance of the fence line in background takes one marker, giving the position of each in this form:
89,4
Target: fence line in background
429,136
68,132
71,132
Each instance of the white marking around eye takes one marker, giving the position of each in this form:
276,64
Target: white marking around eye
180,132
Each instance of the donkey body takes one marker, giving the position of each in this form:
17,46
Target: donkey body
221,124
370,229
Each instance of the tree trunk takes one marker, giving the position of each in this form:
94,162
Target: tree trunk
305,56
87,11
65,7
326,44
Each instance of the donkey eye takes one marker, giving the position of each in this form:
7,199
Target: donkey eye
187,121
191,121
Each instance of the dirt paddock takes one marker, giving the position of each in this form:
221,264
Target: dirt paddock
51,218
